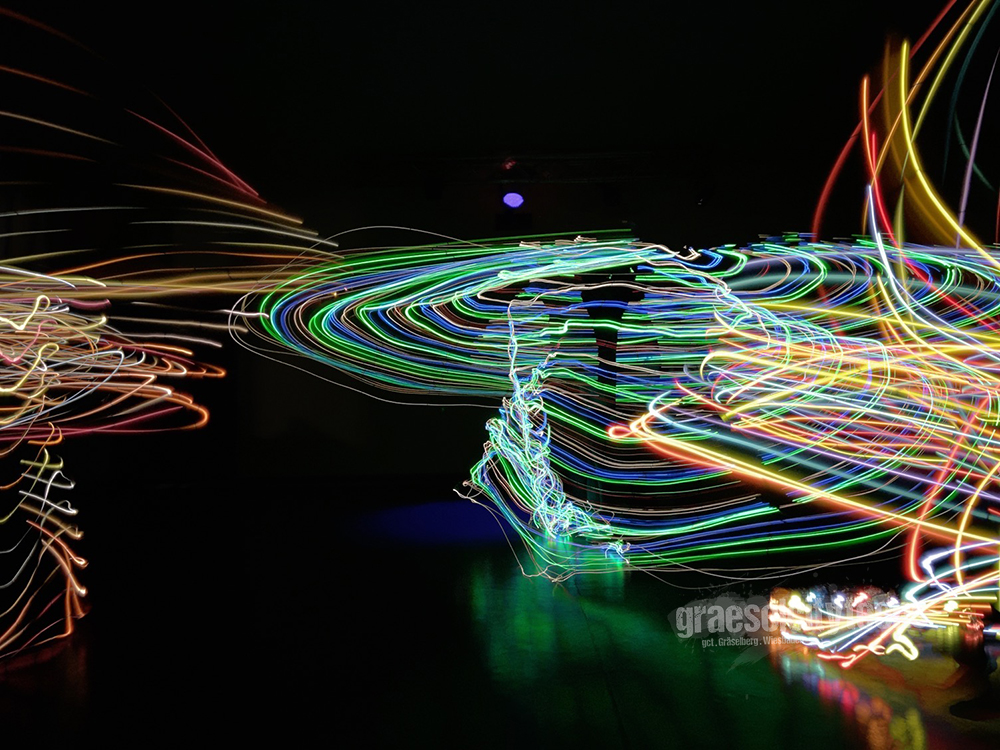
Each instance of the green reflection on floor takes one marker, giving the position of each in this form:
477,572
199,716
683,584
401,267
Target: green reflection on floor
593,661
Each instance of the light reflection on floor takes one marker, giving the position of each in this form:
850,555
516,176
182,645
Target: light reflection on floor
595,657
440,638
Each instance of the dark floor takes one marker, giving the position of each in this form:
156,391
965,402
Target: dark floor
413,624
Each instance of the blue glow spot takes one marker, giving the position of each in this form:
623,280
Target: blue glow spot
513,199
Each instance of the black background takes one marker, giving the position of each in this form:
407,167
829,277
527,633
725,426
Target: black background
217,557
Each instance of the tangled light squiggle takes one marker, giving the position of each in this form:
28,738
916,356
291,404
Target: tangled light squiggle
125,240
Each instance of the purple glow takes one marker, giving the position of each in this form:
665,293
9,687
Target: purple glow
513,199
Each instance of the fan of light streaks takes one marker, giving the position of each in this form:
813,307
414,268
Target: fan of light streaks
125,240
955,583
